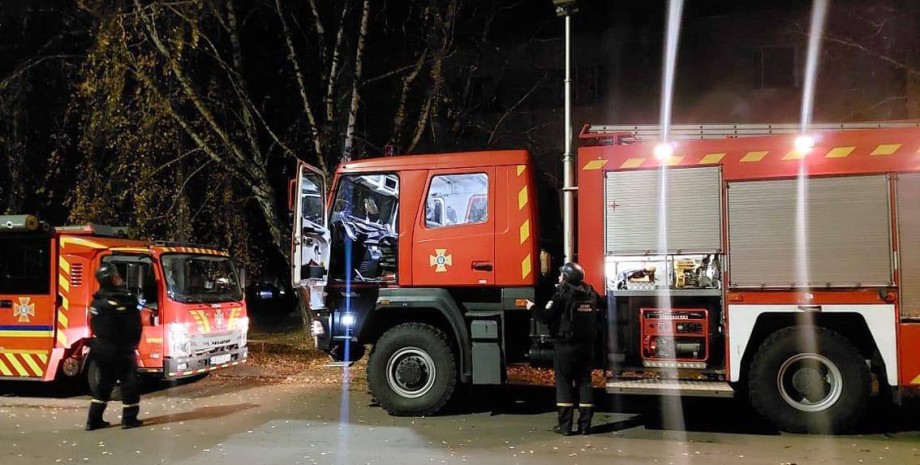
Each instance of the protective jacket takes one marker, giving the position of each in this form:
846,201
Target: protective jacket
565,294
115,321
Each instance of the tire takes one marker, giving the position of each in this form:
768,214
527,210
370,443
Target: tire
801,391
412,370
93,377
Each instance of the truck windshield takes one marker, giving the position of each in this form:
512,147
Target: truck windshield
201,278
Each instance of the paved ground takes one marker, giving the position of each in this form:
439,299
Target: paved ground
255,415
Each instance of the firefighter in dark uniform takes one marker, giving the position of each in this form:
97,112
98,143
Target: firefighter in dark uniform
573,357
116,324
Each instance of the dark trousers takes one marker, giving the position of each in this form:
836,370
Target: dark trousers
572,364
118,367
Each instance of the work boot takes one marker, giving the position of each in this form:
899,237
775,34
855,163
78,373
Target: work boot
584,420
94,419
129,417
565,421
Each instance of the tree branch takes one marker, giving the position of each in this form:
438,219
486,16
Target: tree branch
302,88
513,107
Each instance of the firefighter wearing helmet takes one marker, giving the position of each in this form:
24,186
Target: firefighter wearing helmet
573,319
116,324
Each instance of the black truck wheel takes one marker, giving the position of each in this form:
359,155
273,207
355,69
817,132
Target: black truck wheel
412,370
809,380
94,377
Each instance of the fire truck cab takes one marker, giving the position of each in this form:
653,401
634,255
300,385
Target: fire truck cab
192,309
740,262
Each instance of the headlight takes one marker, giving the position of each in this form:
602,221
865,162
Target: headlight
348,320
243,325
180,344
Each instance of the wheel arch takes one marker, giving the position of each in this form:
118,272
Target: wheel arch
432,306
864,326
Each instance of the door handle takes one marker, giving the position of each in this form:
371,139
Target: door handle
810,308
6,303
482,266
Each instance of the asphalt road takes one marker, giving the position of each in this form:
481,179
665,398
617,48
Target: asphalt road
248,416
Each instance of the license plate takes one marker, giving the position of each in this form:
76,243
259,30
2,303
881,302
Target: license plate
220,359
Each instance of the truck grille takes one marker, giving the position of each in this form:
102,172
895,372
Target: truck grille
203,344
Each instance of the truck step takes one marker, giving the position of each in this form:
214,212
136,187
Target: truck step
670,387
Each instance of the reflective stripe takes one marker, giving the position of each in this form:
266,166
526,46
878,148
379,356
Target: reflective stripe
31,362
564,404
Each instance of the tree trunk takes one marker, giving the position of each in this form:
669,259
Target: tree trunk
302,89
355,95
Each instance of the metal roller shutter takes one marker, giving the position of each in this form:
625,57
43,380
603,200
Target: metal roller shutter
694,212
847,240
909,242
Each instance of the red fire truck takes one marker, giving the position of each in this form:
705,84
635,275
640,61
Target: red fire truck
741,263
193,312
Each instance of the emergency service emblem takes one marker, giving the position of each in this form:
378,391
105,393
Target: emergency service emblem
25,309
219,319
441,261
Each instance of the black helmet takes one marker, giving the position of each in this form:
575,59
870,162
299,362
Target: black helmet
105,274
572,273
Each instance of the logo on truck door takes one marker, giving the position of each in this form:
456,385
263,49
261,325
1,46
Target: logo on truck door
441,261
24,310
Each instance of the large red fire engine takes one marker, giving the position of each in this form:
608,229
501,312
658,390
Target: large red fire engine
193,312
738,264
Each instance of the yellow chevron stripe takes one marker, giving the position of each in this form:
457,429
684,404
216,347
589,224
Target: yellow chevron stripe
886,149
525,231
712,158
673,160
65,302
16,365
62,320
795,155
31,362
633,163
526,266
36,334
79,241
61,337
23,351
753,157
520,169
916,380
4,369
522,198
233,314
203,321
64,265
64,283
840,152
594,165
43,357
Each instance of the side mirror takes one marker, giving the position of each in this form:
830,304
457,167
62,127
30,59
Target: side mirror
244,279
135,276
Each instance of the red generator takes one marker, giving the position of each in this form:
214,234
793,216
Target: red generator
676,337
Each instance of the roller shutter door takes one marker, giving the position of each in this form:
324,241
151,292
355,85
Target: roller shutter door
693,218
909,241
847,239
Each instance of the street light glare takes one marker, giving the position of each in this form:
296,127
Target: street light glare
804,143
663,151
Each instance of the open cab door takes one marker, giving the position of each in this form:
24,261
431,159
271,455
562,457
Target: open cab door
310,241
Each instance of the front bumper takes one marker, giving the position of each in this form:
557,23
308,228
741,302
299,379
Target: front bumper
175,368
